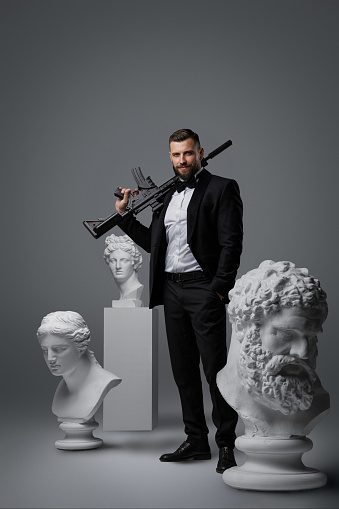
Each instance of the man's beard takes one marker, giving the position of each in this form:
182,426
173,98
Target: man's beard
192,171
272,379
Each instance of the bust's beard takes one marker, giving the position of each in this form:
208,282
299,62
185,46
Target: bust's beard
259,372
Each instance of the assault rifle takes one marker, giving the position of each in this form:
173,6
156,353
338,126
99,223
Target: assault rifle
149,196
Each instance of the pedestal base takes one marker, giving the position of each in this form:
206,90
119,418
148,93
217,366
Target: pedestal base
78,436
274,464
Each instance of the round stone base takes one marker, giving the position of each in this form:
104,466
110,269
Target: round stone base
274,464
78,436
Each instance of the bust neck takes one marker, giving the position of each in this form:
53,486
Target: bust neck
132,284
75,379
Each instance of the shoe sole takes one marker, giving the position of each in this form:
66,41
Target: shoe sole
187,458
219,471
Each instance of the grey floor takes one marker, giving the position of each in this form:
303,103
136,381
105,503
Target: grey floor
126,472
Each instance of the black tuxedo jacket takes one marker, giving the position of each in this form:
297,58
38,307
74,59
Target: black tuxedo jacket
214,234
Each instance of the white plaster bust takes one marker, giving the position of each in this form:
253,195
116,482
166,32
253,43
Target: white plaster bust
276,311
124,259
64,338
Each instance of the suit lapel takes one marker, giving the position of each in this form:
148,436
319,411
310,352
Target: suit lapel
160,226
192,210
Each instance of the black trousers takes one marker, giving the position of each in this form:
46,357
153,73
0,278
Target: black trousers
195,320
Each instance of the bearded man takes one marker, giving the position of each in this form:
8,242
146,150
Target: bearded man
195,244
276,312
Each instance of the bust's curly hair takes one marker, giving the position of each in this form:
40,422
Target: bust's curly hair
123,242
271,287
67,324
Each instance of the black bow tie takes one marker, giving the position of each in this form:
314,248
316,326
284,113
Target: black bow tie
181,185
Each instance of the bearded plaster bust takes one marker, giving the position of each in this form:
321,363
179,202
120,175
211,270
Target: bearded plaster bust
277,312
124,259
64,338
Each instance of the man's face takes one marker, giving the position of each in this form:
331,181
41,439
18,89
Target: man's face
278,370
60,354
186,158
121,265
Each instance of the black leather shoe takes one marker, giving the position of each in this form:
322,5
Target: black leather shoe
226,459
188,451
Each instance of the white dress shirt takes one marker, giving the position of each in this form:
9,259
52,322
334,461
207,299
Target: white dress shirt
179,257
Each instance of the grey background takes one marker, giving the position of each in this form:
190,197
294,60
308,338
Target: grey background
90,89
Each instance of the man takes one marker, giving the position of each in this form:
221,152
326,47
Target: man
277,311
195,244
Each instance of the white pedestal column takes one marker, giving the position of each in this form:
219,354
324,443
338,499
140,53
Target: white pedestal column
274,464
131,350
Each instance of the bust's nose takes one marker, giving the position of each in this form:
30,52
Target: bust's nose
300,348
51,356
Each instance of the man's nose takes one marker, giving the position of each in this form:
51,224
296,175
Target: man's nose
299,348
118,265
182,158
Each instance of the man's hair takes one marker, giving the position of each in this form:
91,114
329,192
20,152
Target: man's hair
185,134
271,287
123,242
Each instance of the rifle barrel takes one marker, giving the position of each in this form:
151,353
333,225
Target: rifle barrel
217,151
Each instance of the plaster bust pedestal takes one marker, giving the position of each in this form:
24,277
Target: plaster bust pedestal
78,436
276,312
274,464
131,342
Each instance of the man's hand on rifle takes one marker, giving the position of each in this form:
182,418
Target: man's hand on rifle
121,203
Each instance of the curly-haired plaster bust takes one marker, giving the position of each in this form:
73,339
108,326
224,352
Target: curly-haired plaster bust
276,311
124,259
64,338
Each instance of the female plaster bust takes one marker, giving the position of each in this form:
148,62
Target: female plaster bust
124,259
64,338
